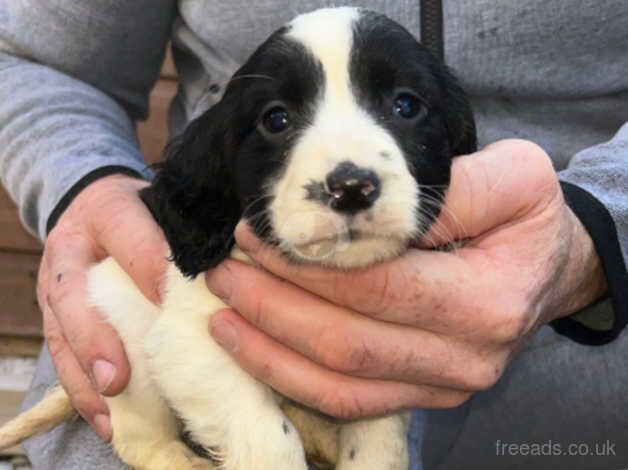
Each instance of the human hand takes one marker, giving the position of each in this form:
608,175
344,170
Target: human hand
107,218
426,329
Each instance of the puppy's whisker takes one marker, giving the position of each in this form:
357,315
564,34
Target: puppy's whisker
447,212
255,201
435,237
422,185
441,237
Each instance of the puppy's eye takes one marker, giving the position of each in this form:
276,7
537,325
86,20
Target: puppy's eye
275,120
407,106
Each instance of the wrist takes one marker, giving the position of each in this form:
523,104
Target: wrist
582,281
85,186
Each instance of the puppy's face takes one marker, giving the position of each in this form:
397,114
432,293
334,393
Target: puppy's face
334,140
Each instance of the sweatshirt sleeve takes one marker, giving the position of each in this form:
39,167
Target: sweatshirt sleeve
74,76
595,185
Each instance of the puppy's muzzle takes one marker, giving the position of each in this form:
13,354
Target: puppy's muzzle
352,188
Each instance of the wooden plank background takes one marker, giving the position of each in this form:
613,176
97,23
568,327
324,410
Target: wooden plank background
20,251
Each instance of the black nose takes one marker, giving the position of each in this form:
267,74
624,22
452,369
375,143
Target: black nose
352,188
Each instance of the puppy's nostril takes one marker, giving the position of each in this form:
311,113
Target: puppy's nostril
352,188
367,188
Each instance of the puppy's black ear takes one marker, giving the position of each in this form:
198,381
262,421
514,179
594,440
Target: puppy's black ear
192,197
458,117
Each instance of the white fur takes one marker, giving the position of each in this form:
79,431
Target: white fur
177,367
342,130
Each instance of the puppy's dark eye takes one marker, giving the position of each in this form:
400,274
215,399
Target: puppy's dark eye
407,106
276,120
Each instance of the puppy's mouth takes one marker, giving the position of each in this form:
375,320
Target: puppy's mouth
330,245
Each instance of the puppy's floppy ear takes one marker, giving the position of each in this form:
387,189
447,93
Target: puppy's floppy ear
458,117
192,197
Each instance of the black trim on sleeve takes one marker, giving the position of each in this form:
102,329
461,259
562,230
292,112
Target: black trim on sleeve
81,184
601,227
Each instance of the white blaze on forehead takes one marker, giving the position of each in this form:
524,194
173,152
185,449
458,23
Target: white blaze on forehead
328,34
341,130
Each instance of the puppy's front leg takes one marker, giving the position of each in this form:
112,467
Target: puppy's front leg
375,444
235,417
145,433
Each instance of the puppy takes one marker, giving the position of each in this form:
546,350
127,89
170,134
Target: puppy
334,140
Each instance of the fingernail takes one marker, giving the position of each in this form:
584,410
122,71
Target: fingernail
224,333
219,281
103,373
246,238
102,426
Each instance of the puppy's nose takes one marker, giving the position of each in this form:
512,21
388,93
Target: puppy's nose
352,188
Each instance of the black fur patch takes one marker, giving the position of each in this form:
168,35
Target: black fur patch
214,172
386,60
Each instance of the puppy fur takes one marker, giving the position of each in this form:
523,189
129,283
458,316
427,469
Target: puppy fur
362,98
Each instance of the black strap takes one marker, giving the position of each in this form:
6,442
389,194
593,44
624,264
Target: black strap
432,27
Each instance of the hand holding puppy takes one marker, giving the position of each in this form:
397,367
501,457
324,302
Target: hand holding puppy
105,219
431,327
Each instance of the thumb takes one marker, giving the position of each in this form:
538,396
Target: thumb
501,183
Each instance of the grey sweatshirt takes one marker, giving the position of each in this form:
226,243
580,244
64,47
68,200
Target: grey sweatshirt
75,77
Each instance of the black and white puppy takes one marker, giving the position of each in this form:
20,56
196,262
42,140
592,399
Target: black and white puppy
335,141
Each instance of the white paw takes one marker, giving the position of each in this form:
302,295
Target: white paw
375,444
355,458
269,444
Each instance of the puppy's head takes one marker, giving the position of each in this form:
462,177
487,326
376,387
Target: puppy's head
334,140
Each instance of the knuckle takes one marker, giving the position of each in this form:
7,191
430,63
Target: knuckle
55,342
59,291
454,399
371,291
256,310
481,377
344,353
509,327
341,404
84,401
535,160
382,290
264,369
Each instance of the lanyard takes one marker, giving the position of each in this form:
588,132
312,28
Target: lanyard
432,27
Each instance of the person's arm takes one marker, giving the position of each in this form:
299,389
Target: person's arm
596,188
72,80
74,76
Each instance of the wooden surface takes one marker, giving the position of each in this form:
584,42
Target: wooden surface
19,251
153,133
22,346
15,377
20,313
12,235
9,408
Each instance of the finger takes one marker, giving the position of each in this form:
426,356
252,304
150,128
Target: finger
132,237
492,187
425,289
312,385
347,342
83,396
94,342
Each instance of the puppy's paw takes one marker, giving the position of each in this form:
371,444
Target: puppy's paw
375,444
265,444
358,459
